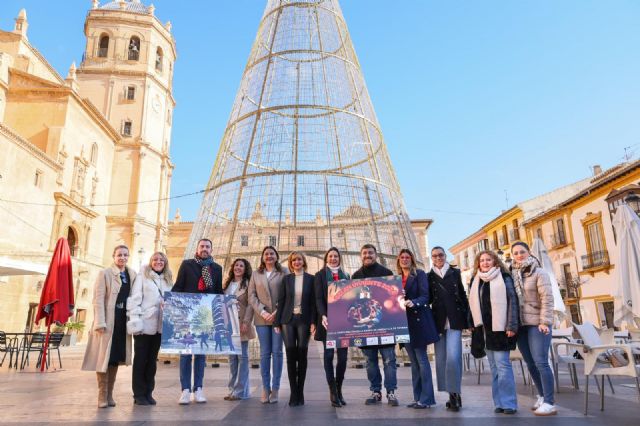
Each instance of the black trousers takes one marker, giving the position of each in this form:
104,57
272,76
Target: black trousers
146,348
341,365
295,335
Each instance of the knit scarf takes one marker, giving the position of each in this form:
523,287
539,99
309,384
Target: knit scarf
441,272
338,271
205,282
498,291
518,271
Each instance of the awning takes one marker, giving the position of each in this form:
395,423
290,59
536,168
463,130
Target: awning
19,267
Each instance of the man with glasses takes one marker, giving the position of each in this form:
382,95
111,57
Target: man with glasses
450,309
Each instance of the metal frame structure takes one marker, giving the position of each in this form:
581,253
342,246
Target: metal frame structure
303,162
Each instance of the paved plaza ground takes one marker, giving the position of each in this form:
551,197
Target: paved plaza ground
69,396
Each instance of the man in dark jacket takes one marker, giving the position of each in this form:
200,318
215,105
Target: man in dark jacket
450,311
198,275
371,269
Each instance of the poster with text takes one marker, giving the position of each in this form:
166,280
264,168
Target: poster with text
366,312
197,323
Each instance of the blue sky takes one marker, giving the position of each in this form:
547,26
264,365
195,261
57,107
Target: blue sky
474,98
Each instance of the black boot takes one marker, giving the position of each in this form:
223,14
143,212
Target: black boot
452,405
302,373
459,398
339,392
292,370
333,394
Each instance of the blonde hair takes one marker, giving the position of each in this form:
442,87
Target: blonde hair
168,275
413,268
292,255
496,261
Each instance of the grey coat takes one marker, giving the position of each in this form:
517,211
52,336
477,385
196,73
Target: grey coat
536,306
263,293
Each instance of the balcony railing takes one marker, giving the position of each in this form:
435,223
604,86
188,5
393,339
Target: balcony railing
595,259
514,234
558,240
134,55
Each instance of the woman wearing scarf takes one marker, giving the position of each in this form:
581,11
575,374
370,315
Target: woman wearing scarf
533,288
237,284
494,306
145,323
198,275
263,298
109,344
296,319
331,272
422,328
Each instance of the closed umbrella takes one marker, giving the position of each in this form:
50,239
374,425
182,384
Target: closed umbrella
540,251
627,291
56,300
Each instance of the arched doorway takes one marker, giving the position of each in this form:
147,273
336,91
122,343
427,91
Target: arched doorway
72,239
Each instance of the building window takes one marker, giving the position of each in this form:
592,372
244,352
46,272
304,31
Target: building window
505,236
103,47
72,239
244,240
495,240
597,255
515,231
159,57
126,128
273,241
37,181
94,153
131,93
134,49
300,241
560,236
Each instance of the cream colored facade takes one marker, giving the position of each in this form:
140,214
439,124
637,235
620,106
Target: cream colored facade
69,165
180,231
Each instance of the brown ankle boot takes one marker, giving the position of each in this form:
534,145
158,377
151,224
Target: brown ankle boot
102,390
112,371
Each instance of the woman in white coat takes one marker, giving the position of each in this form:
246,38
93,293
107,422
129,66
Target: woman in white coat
109,344
145,323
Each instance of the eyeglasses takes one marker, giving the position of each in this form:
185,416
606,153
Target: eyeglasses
515,253
438,255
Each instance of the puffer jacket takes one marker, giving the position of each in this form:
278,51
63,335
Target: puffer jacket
147,295
536,306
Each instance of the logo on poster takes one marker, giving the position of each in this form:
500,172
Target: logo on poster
357,341
402,338
344,343
331,344
387,340
372,340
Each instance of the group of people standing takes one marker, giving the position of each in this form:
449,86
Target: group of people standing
288,306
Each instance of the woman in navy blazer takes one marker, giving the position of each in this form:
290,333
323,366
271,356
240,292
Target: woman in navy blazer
422,328
296,318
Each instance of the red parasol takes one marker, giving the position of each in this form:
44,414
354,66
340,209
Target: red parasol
56,301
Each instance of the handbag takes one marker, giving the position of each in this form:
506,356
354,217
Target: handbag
477,342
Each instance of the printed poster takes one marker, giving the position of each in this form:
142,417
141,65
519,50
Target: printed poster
197,323
366,312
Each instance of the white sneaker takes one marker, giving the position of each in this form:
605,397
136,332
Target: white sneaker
538,403
200,396
546,410
185,398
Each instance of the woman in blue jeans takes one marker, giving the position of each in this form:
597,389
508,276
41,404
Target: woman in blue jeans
264,288
533,287
494,307
422,329
237,284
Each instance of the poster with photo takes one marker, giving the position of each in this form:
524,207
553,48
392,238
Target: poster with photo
366,312
196,323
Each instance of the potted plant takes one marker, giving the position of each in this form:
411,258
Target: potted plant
72,328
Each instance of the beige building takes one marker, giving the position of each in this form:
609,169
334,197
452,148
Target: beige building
81,153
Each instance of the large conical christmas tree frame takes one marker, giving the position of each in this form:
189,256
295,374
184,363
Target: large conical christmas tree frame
303,164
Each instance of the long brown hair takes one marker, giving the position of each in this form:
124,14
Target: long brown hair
245,277
496,262
262,266
414,265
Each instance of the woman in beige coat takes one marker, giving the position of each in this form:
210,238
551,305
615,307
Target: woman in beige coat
263,297
237,284
109,344
535,295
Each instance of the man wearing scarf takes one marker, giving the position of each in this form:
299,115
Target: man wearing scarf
198,275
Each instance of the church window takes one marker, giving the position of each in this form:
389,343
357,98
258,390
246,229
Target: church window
127,127
134,48
103,48
244,240
159,57
131,93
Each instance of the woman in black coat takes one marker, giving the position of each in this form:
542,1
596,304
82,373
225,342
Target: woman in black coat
422,329
494,307
295,318
329,273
